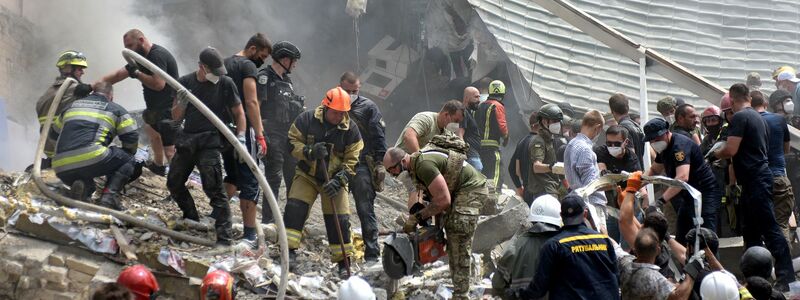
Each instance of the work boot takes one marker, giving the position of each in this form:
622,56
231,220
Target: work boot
114,185
156,169
292,260
77,190
343,269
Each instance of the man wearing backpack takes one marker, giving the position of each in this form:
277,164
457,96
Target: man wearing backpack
441,172
618,104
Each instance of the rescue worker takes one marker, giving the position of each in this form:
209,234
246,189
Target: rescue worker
778,144
518,166
715,130
756,261
686,122
457,192
517,266
140,281
666,107
542,155
580,166
618,104
157,96
491,118
85,131
369,170
199,143
468,128
218,285
781,104
615,157
70,64
427,124
279,107
789,82
578,263
680,158
112,291
242,68
326,142
747,144
732,190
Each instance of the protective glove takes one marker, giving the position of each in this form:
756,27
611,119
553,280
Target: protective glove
242,141
316,151
695,264
262,146
411,223
378,177
132,71
182,98
634,183
335,184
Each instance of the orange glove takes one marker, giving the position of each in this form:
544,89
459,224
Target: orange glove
620,196
262,145
634,182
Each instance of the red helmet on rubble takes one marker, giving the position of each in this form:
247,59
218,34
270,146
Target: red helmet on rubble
140,281
217,285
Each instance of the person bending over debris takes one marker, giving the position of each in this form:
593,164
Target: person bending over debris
457,192
427,124
199,143
326,142
84,132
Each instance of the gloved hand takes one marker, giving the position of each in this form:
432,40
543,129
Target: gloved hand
262,146
695,264
316,151
634,183
132,71
182,98
377,180
411,223
335,184
242,141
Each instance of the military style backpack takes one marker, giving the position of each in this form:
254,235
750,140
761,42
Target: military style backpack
456,150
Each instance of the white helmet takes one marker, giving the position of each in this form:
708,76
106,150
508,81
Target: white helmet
546,209
355,288
719,286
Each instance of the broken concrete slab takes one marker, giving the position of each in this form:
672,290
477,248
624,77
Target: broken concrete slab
82,265
501,227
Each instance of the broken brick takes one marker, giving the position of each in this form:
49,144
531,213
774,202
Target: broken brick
82,266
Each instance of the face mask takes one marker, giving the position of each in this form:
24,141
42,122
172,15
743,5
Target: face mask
212,78
353,98
554,128
670,119
659,146
474,106
615,151
788,107
714,129
484,97
452,127
257,62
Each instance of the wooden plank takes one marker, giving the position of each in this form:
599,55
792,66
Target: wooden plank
123,244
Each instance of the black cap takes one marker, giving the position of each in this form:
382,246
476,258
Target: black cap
655,128
572,207
211,58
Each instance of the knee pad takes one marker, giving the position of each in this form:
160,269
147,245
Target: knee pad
295,213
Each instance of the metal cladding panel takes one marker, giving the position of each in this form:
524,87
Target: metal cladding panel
719,40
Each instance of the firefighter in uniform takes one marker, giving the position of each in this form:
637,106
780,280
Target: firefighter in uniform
457,192
542,154
279,106
491,119
84,132
326,143
70,64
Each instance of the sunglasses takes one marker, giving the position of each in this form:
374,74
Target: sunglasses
614,144
397,165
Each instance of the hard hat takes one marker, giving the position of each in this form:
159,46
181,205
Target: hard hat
551,112
217,285
545,209
139,281
337,99
712,111
719,286
725,102
285,49
782,69
355,288
497,87
756,261
71,58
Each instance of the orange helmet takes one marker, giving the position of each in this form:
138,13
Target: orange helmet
217,285
140,281
337,99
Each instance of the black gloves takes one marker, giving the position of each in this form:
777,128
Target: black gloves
335,184
315,152
132,69
695,265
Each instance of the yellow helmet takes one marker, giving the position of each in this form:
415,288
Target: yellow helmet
72,58
497,87
782,69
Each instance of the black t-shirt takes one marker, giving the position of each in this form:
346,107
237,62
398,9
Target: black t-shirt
751,159
158,100
682,151
218,97
239,68
628,163
471,134
636,136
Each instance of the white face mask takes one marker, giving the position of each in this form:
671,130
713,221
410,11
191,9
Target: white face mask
788,107
554,128
670,119
212,78
452,127
615,151
484,97
659,146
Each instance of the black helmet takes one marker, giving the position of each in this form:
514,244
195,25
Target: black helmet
707,237
285,49
550,112
756,261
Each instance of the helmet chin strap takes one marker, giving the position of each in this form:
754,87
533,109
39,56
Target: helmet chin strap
285,69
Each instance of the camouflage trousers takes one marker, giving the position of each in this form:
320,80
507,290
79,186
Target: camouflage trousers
460,229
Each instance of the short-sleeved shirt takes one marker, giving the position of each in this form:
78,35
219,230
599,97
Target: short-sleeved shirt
683,151
751,159
778,135
239,68
542,150
424,124
628,163
431,164
471,133
218,97
642,281
159,100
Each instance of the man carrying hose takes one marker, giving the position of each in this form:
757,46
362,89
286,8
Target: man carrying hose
326,142
199,143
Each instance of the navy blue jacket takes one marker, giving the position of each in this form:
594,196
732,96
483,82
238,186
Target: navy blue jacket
371,126
578,263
